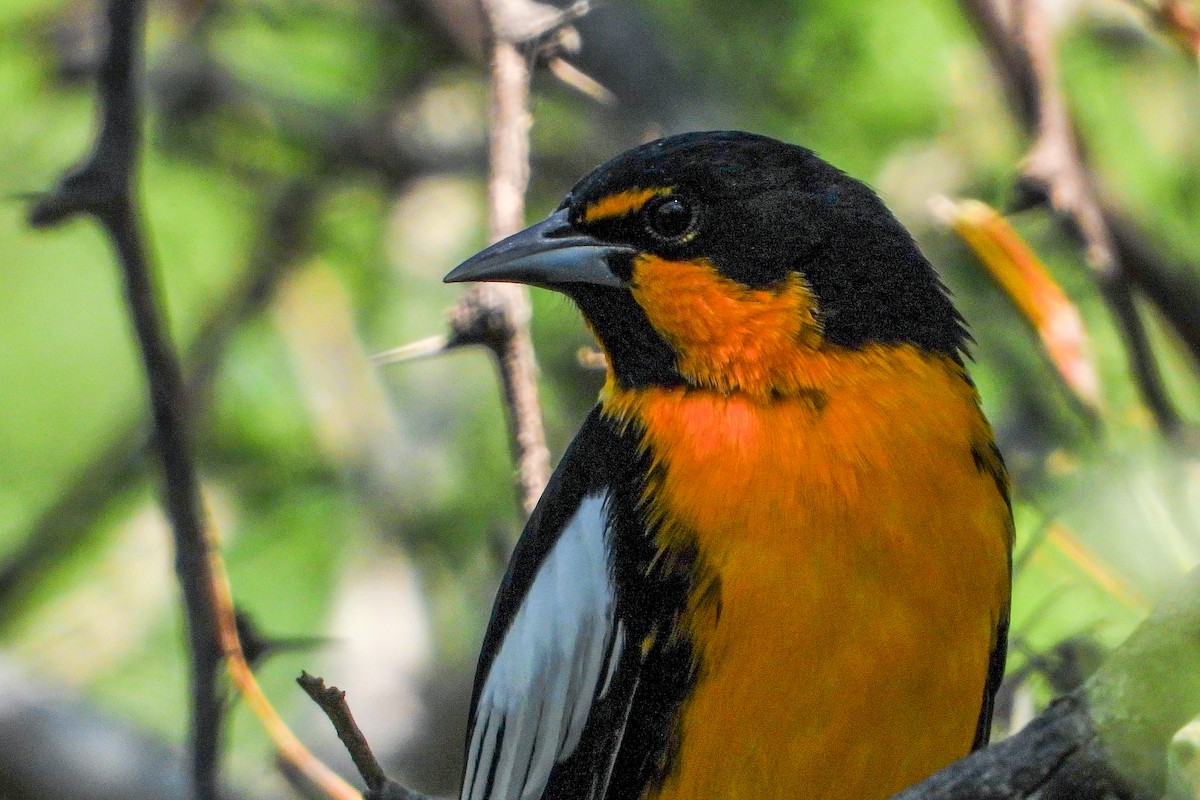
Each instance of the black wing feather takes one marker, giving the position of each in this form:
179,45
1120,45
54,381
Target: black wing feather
597,464
990,460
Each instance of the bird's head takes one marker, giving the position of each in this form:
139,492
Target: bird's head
719,259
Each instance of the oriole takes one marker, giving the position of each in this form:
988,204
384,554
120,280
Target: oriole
775,561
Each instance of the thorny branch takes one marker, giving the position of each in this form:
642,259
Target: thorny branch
497,315
1019,41
102,186
182,74
1167,286
119,464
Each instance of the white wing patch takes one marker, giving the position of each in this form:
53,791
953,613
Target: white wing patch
561,644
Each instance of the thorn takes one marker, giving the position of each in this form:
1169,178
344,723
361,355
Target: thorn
577,10
579,80
532,23
1028,194
257,646
591,358
430,346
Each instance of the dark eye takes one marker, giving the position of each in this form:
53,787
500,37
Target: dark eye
669,218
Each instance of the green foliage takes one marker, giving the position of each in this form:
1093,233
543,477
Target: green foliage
899,94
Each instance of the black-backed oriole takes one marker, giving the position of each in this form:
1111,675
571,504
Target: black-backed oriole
774,563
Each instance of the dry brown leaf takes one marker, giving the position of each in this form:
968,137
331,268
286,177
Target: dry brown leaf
1027,282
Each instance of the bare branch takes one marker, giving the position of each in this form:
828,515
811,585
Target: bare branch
332,701
64,524
577,79
493,315
1054,168
102,186
289,748
1171,287
497,315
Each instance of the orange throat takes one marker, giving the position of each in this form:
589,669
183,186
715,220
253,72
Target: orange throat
727,336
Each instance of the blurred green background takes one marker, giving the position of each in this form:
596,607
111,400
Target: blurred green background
313,167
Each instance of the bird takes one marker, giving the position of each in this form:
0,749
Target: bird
775,562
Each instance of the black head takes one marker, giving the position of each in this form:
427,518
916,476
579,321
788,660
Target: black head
760,214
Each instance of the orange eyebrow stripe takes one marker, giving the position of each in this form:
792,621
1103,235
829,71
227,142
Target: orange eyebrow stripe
622,203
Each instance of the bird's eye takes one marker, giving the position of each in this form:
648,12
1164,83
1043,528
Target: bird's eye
669,218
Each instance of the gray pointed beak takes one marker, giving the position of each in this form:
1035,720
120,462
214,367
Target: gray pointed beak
550,254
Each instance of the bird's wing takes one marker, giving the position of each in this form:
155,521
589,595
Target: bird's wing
555,655
983,728
993,463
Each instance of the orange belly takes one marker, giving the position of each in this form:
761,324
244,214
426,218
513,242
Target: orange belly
863,568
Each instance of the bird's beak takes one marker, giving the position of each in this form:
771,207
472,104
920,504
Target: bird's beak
550,254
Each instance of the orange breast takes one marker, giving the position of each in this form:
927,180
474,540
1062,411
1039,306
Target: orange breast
862,564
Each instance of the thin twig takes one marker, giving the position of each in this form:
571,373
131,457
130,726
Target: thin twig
332,701
1171,287
102,186
1054,168
422,348
579,80
1142,361
494,315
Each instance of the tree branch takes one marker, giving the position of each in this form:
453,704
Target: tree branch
64,524
291,751
497,315
332,701
1054,171
102,186
1171,287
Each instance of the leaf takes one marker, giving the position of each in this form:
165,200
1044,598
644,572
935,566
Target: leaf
1031,288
